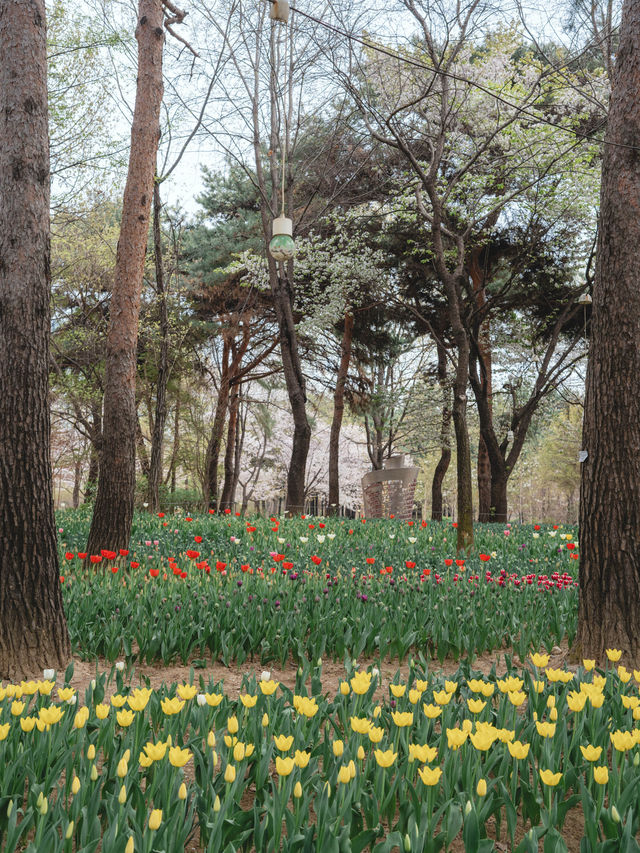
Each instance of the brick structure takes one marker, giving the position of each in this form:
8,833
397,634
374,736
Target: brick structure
390,491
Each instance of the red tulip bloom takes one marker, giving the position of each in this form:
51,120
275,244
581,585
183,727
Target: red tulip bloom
227,512
316,560
251,529
188,518
108,555
448,562
61,578
485,557
154,572
124,552
82,556
114,569
371,560
95,558
160,515
193,555
409,564
220,566
69,555
197,539
320,524
135,565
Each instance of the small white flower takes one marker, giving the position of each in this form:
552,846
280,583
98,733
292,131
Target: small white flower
413,540
331,535
392,536
536,535
93,684
119,665
281,541
145,504
266,675
320,539
375,672
552,532
304,539
49,674
72,700
201,699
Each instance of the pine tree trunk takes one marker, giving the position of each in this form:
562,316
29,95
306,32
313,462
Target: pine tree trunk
33,629
77,477
226,498
478,275
338,412
157,438
113,510
217,430
445,436
609,577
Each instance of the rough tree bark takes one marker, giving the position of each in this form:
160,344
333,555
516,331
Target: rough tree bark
338,412
226,498
160,419
33,629
477,275
113,510
445,436
609,577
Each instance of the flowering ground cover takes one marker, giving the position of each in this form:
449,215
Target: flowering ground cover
201,588
420,765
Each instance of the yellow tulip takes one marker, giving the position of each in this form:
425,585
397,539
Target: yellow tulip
118,701
27,724
248,701
51,715
178,757
91,752
284,766
269,687
431,711
516,697
66,693
4,731
622,741
442,697
538,686
186,691
283,742
455,738
451,686
591,753
129,848
402,719
344,688
122,769
539,661
421,685
75,785
518,750
422,753
601,775
265,720
297,790
623,674
360,753
155,751
125,717
476,705
301,758
305,706
122,796
385,758
155,819
361,725
45,687
588,664
239,751
481,788
630,702
344,775
482,739
232,725
80,719
361,682
338,748
213,699
510,684
505,735
102,711
398,690
614,655
17,708
549,778
171,706
576,701
230,773
546,729
596,700
376,733
430,776
137,702
182,792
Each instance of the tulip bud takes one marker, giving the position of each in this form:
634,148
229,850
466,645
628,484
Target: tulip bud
94,773
93,684
201,699
265,720
407,843
122,769
44,806
266,675
327,788
182,792
481,788
75,785
39,800
119,665
467,808
155,819
297,790
319,662
49,674
91,752
122,796
211,739
615,814
230,773
69,831
129,848
300,670
361,752
9,808
636,759
217,804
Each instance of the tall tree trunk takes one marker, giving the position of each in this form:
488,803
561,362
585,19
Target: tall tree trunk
33,629
113,510
157,439
338,412
77,479
173,464
217,430
484,474
143,456
445,436
609,577
226,499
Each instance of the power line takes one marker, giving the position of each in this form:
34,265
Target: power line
416,63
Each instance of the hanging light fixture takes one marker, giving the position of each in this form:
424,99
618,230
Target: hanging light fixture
282,247
585,299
